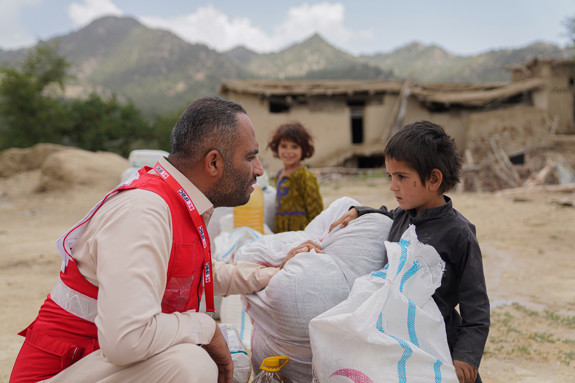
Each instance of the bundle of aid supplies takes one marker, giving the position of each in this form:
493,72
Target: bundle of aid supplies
310,283
310,313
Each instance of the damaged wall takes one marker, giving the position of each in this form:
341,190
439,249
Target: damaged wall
539,101
514,128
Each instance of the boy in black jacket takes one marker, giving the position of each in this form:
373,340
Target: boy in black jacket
423,163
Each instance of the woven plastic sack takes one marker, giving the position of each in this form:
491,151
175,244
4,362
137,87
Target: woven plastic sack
226,244
310,283
389,329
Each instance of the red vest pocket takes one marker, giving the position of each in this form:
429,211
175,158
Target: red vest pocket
184,286
43,356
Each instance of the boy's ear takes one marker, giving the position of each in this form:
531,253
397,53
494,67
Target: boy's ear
214,163
435,180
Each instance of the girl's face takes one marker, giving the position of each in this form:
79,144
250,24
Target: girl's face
289,152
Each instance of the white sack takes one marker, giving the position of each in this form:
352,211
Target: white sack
310,283
225,245
389,329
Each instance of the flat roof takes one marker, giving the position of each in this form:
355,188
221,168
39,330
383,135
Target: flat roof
469,94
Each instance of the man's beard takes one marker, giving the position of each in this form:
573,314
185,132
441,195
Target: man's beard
231,189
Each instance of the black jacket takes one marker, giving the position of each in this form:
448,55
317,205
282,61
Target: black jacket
463,282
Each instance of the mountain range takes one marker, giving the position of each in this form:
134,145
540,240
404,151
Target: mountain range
161,73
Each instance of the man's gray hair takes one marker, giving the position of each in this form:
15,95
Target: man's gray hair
207,123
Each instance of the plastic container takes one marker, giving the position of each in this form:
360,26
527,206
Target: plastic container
252,213
142,157
145,157
271,373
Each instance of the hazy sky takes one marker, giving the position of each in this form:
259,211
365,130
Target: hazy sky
356,26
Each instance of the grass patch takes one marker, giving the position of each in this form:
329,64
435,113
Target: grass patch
372,174
563,320
542,337
525,310
521,350
519,332
567,358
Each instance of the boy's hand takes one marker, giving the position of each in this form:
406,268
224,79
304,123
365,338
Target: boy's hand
345,219
466,373
305,247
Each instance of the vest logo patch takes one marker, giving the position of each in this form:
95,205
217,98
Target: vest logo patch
186,199
201,230
160,170
207,277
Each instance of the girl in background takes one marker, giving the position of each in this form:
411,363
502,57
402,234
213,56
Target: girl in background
298,200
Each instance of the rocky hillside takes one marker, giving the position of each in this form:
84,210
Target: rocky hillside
160,72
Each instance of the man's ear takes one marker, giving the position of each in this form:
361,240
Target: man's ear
435,180
214,163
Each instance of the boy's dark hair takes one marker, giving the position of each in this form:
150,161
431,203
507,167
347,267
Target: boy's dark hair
295,132
425,146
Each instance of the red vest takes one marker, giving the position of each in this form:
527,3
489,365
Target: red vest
56,339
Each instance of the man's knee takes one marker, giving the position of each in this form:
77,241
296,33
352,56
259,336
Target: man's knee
188,363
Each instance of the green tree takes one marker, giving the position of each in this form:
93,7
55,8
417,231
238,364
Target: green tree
161,130
30,112
98,124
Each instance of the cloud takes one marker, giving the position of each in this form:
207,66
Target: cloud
209,26
12,33
85,12
214,28
323,18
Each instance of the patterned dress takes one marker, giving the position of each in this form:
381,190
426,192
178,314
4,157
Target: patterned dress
298,200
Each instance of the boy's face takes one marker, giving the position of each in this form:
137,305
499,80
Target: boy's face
408,190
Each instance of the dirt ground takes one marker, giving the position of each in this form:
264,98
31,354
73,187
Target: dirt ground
527,239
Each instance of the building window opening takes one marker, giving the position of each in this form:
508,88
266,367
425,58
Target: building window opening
356,125
278,106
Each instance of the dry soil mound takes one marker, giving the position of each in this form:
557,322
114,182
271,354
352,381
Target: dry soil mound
14,161
69,168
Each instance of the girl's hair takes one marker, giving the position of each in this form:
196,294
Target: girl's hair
295,132
425,146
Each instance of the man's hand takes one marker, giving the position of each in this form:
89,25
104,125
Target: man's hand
305,247
345,219
466,373
220,353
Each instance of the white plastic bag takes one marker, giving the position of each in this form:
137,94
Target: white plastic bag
310,283
226,244
242,368
233,313
389,329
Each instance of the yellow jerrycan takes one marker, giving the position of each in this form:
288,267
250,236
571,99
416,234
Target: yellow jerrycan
252,213
271,373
